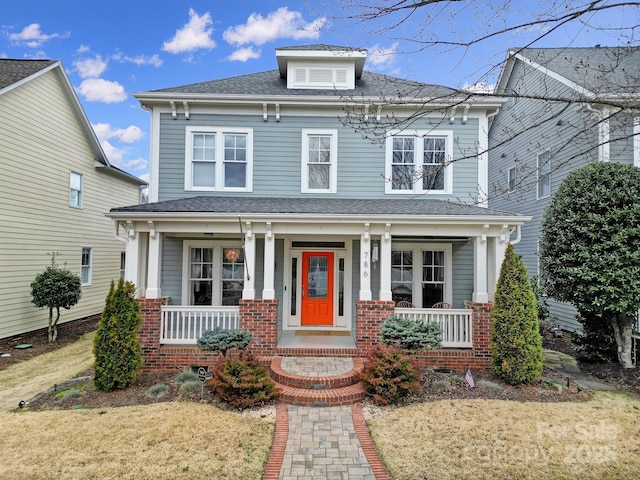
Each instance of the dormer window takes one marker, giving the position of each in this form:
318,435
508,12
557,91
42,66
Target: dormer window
321,76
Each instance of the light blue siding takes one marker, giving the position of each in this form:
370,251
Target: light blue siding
462,273
172,269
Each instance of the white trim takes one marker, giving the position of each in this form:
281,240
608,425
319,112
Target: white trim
418,160
555,75
80,191
89,266
154,156
219,161
417,249
483,160
636,143
513,169
547,176
333,165
604,135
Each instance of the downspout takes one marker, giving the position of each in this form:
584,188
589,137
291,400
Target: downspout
518,235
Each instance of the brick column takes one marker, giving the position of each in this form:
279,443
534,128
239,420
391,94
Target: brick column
370,315
260,317
481,331
149,331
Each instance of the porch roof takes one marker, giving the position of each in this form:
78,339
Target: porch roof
337,207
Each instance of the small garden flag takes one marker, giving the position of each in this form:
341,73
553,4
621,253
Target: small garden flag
469,378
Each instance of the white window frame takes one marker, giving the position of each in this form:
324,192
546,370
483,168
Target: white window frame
417,249
333,164
219,161
418,152
543,177
217,246
123,264
80,192
88,267
512,178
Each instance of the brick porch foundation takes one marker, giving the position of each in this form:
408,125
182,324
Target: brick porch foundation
260,317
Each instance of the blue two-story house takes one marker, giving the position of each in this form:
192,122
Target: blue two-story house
269,212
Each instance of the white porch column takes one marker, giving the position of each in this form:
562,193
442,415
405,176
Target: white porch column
154,267
497,247
480,291
365,265
249,291
132,259
269,291
385,267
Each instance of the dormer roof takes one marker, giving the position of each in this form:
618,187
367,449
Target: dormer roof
320,51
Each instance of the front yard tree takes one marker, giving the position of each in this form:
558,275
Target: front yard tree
55,288
516,345
590,247
116,348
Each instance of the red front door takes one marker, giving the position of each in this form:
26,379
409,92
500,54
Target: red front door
317,288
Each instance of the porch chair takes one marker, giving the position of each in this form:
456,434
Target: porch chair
404,304
441,305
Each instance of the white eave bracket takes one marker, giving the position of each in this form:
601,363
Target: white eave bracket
174,113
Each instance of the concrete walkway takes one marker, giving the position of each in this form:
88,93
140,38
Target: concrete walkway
567,365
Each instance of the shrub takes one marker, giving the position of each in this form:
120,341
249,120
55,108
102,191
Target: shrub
191,388
596,341
488,385
73,393
390,375
411,334
221,340
441,385
516,345
157,391
242,382
186,376
116,348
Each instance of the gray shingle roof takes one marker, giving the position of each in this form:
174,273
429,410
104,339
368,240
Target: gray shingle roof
602,70
322,47
12,71
312,206
270,83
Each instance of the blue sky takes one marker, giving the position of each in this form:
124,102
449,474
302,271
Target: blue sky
112,49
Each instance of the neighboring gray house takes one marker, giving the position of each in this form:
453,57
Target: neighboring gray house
261,196
566,107
55,188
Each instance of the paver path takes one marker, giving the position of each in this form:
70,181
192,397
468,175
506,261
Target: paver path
567,365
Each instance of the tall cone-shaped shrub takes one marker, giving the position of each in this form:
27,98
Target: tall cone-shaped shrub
516,345
116,347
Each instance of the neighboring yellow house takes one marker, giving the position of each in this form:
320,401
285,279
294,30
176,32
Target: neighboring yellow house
55,188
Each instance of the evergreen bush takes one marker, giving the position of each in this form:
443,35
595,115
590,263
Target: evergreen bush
390,375
221,340
411,334
116,349
516,345
242,382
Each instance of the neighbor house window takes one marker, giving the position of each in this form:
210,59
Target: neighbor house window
419,163
544,175
218,159
421,275
86,265
123,264
512,179
319,161
214,273
75,190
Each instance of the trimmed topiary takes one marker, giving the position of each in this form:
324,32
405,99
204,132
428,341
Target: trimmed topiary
242,382
221,340
411,334
390,375
516,345
115,347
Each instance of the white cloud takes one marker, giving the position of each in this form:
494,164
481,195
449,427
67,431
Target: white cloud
83,49
32,36
100,90
116,158
479,87
244,54
145,177
153,60
277,25
131,134
90,67
382,57
194,35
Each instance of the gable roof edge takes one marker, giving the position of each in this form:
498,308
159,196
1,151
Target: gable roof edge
28,78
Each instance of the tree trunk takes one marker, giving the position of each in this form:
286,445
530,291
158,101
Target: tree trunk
622,329
52,331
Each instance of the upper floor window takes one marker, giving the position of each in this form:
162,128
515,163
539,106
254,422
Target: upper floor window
512,179
76,182
319,161
86,265
123,264
419,163
544,175
218,158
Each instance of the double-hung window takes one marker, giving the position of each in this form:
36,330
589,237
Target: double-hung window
76,182
419,162
512,178
86,263
544,175
218,158
421,275
214,273
319,161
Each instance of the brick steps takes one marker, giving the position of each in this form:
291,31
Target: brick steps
325,391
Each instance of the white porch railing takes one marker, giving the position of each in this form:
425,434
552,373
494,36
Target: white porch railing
183,325
455,323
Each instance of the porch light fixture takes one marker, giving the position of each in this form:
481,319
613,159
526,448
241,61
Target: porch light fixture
375,244
232,254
